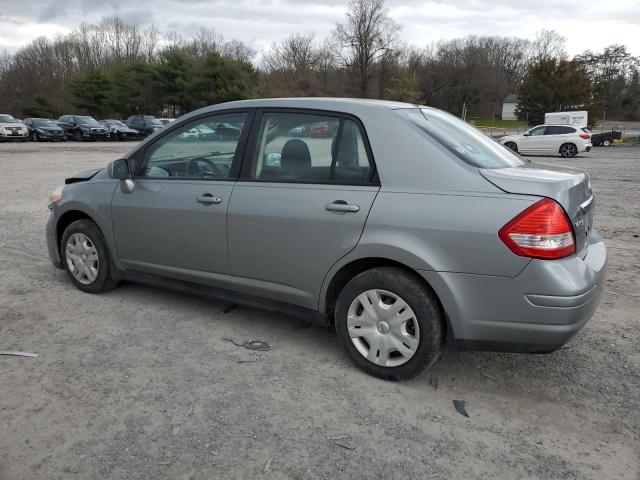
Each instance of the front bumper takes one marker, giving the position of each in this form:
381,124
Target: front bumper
95,135
538,310
52,240
9,136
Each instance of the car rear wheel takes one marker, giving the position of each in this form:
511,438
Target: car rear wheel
512,146
568,150
85,256
390,323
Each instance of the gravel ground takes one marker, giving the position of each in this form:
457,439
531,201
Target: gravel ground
140,382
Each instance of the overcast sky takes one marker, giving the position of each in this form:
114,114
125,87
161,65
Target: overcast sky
586,24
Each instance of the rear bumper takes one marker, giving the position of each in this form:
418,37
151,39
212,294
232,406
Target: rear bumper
539,310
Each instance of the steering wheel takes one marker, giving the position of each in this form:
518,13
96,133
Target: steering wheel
194,168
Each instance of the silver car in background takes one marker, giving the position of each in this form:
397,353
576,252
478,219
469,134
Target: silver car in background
402,226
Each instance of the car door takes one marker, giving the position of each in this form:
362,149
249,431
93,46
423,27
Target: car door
533,142
554,136
174,222
299,205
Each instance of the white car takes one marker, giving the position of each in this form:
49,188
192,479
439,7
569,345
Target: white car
11,129
566,140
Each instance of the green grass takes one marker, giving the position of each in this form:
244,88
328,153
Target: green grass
487,122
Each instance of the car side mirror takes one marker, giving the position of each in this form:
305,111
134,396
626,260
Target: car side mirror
526,134
119,170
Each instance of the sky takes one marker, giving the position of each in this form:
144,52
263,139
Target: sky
586,24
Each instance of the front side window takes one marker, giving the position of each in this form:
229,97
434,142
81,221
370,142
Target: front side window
195,150
534,132
307,148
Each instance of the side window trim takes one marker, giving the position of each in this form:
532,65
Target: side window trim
141,156
252,146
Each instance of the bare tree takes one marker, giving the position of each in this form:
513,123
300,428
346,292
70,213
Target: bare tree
368,34
547,45
295,53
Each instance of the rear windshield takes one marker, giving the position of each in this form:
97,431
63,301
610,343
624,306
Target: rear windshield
465,141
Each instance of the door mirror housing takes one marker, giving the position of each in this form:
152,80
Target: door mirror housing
526,134
119,169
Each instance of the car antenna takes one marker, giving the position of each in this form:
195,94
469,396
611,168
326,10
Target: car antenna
422,97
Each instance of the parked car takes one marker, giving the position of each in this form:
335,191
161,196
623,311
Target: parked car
404,229
82,127
119,131
167,121
12,130
565,140
144,124
320,130
44,130
605,139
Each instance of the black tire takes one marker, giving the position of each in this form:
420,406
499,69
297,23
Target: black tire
606,143
568,150
34,136
421,299
511,146
104,280
78,136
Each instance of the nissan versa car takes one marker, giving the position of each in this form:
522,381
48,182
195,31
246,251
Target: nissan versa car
403,227
565,140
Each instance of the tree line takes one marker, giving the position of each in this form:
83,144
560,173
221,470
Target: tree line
116,69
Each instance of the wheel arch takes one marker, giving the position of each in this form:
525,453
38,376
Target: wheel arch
346,272
67,218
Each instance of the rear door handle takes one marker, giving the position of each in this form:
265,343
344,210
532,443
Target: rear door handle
208,199
341,206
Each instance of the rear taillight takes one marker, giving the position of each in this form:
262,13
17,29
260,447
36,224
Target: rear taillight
585,136
541,231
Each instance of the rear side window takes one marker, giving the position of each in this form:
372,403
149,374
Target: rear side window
558,130
460,138
307,148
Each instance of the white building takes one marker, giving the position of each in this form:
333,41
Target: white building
509,107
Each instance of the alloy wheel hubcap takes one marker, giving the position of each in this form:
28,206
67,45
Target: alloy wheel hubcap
383,328
82,258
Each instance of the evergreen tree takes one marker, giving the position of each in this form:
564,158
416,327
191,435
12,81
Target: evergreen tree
552,85
91,91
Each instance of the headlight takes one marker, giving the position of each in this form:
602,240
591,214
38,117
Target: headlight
56,196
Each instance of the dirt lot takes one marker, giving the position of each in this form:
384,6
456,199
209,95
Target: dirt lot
140,383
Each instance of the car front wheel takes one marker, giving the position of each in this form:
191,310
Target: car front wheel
390,323
85,256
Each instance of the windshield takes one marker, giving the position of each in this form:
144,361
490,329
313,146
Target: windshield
87,121
7,119
465,141
37,122
115,123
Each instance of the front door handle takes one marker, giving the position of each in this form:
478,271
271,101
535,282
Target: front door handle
208,199
341,206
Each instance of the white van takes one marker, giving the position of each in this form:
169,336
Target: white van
577,119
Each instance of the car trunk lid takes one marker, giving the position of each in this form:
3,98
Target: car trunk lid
569,187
